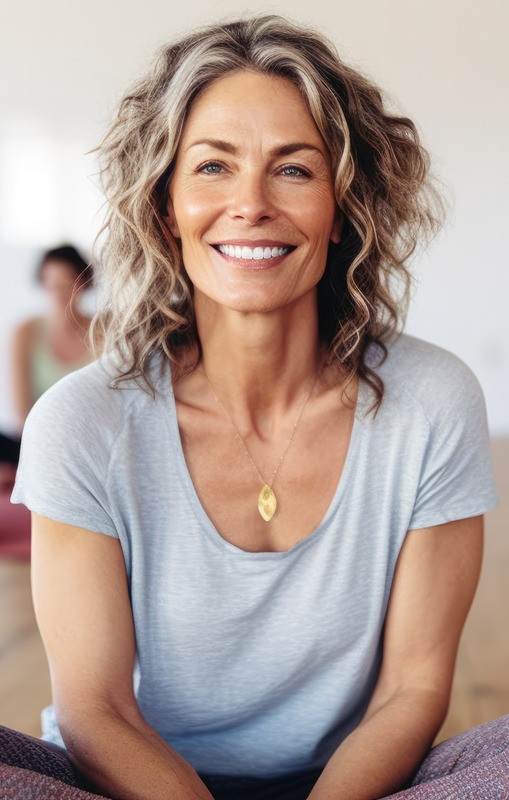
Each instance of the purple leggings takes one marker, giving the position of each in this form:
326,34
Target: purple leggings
472,766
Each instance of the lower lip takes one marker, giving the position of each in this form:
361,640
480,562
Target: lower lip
252,264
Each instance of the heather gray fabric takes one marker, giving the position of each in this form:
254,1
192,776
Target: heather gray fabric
259,664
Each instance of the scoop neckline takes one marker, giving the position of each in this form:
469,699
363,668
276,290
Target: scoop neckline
197,506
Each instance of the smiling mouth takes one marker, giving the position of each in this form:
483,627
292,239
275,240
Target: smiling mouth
245,253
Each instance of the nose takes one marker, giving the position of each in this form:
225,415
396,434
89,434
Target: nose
250,200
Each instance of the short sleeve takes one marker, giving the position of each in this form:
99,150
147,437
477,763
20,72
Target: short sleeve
63,469
456,479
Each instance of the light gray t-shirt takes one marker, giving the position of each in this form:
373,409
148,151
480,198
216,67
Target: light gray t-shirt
259,663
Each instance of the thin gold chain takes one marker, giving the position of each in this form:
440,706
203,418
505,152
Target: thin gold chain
241,440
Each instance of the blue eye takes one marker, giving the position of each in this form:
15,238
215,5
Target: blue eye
293,171
211,168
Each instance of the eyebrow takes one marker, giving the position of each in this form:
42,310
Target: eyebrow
281,150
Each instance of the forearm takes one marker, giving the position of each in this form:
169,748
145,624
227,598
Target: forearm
383,752
128,760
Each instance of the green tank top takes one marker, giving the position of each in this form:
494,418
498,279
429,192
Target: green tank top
46,369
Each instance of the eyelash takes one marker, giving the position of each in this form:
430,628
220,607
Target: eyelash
203,167
302,173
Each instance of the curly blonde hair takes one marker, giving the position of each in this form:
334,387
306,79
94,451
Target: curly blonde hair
381,178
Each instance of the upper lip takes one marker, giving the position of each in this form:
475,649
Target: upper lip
252,243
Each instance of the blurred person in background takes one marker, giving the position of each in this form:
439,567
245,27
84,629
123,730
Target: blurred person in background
47,347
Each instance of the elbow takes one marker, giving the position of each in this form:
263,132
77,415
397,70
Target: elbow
89,731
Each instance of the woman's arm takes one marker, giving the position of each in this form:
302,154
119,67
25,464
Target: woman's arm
22,392
84,614
434,584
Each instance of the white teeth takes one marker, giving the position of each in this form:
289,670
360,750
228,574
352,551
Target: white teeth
250,253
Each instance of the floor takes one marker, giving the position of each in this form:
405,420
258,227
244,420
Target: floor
481,685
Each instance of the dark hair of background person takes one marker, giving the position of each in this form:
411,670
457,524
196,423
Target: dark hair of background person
67,254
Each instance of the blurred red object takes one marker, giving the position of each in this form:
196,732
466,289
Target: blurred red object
14,528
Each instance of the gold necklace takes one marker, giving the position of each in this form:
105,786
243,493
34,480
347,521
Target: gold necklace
267,502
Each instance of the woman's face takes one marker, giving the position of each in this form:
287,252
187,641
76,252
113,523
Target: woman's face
59,280
251,196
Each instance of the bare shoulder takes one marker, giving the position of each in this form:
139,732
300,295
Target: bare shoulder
25,332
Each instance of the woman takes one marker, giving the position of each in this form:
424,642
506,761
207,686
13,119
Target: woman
280,538
47,348
44,349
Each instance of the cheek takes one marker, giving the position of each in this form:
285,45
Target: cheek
314,211
318,226
58,288
192,209
189,218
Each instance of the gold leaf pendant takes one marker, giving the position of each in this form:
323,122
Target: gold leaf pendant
267,503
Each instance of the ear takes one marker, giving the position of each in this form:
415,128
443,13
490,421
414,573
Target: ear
171,221
337,228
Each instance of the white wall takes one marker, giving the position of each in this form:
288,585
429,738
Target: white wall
63,65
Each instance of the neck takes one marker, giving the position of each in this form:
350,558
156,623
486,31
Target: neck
68,316
260,365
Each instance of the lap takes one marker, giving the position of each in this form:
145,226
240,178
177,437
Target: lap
32,770
295,786
471,766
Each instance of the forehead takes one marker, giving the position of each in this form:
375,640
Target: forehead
55,266
246,102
